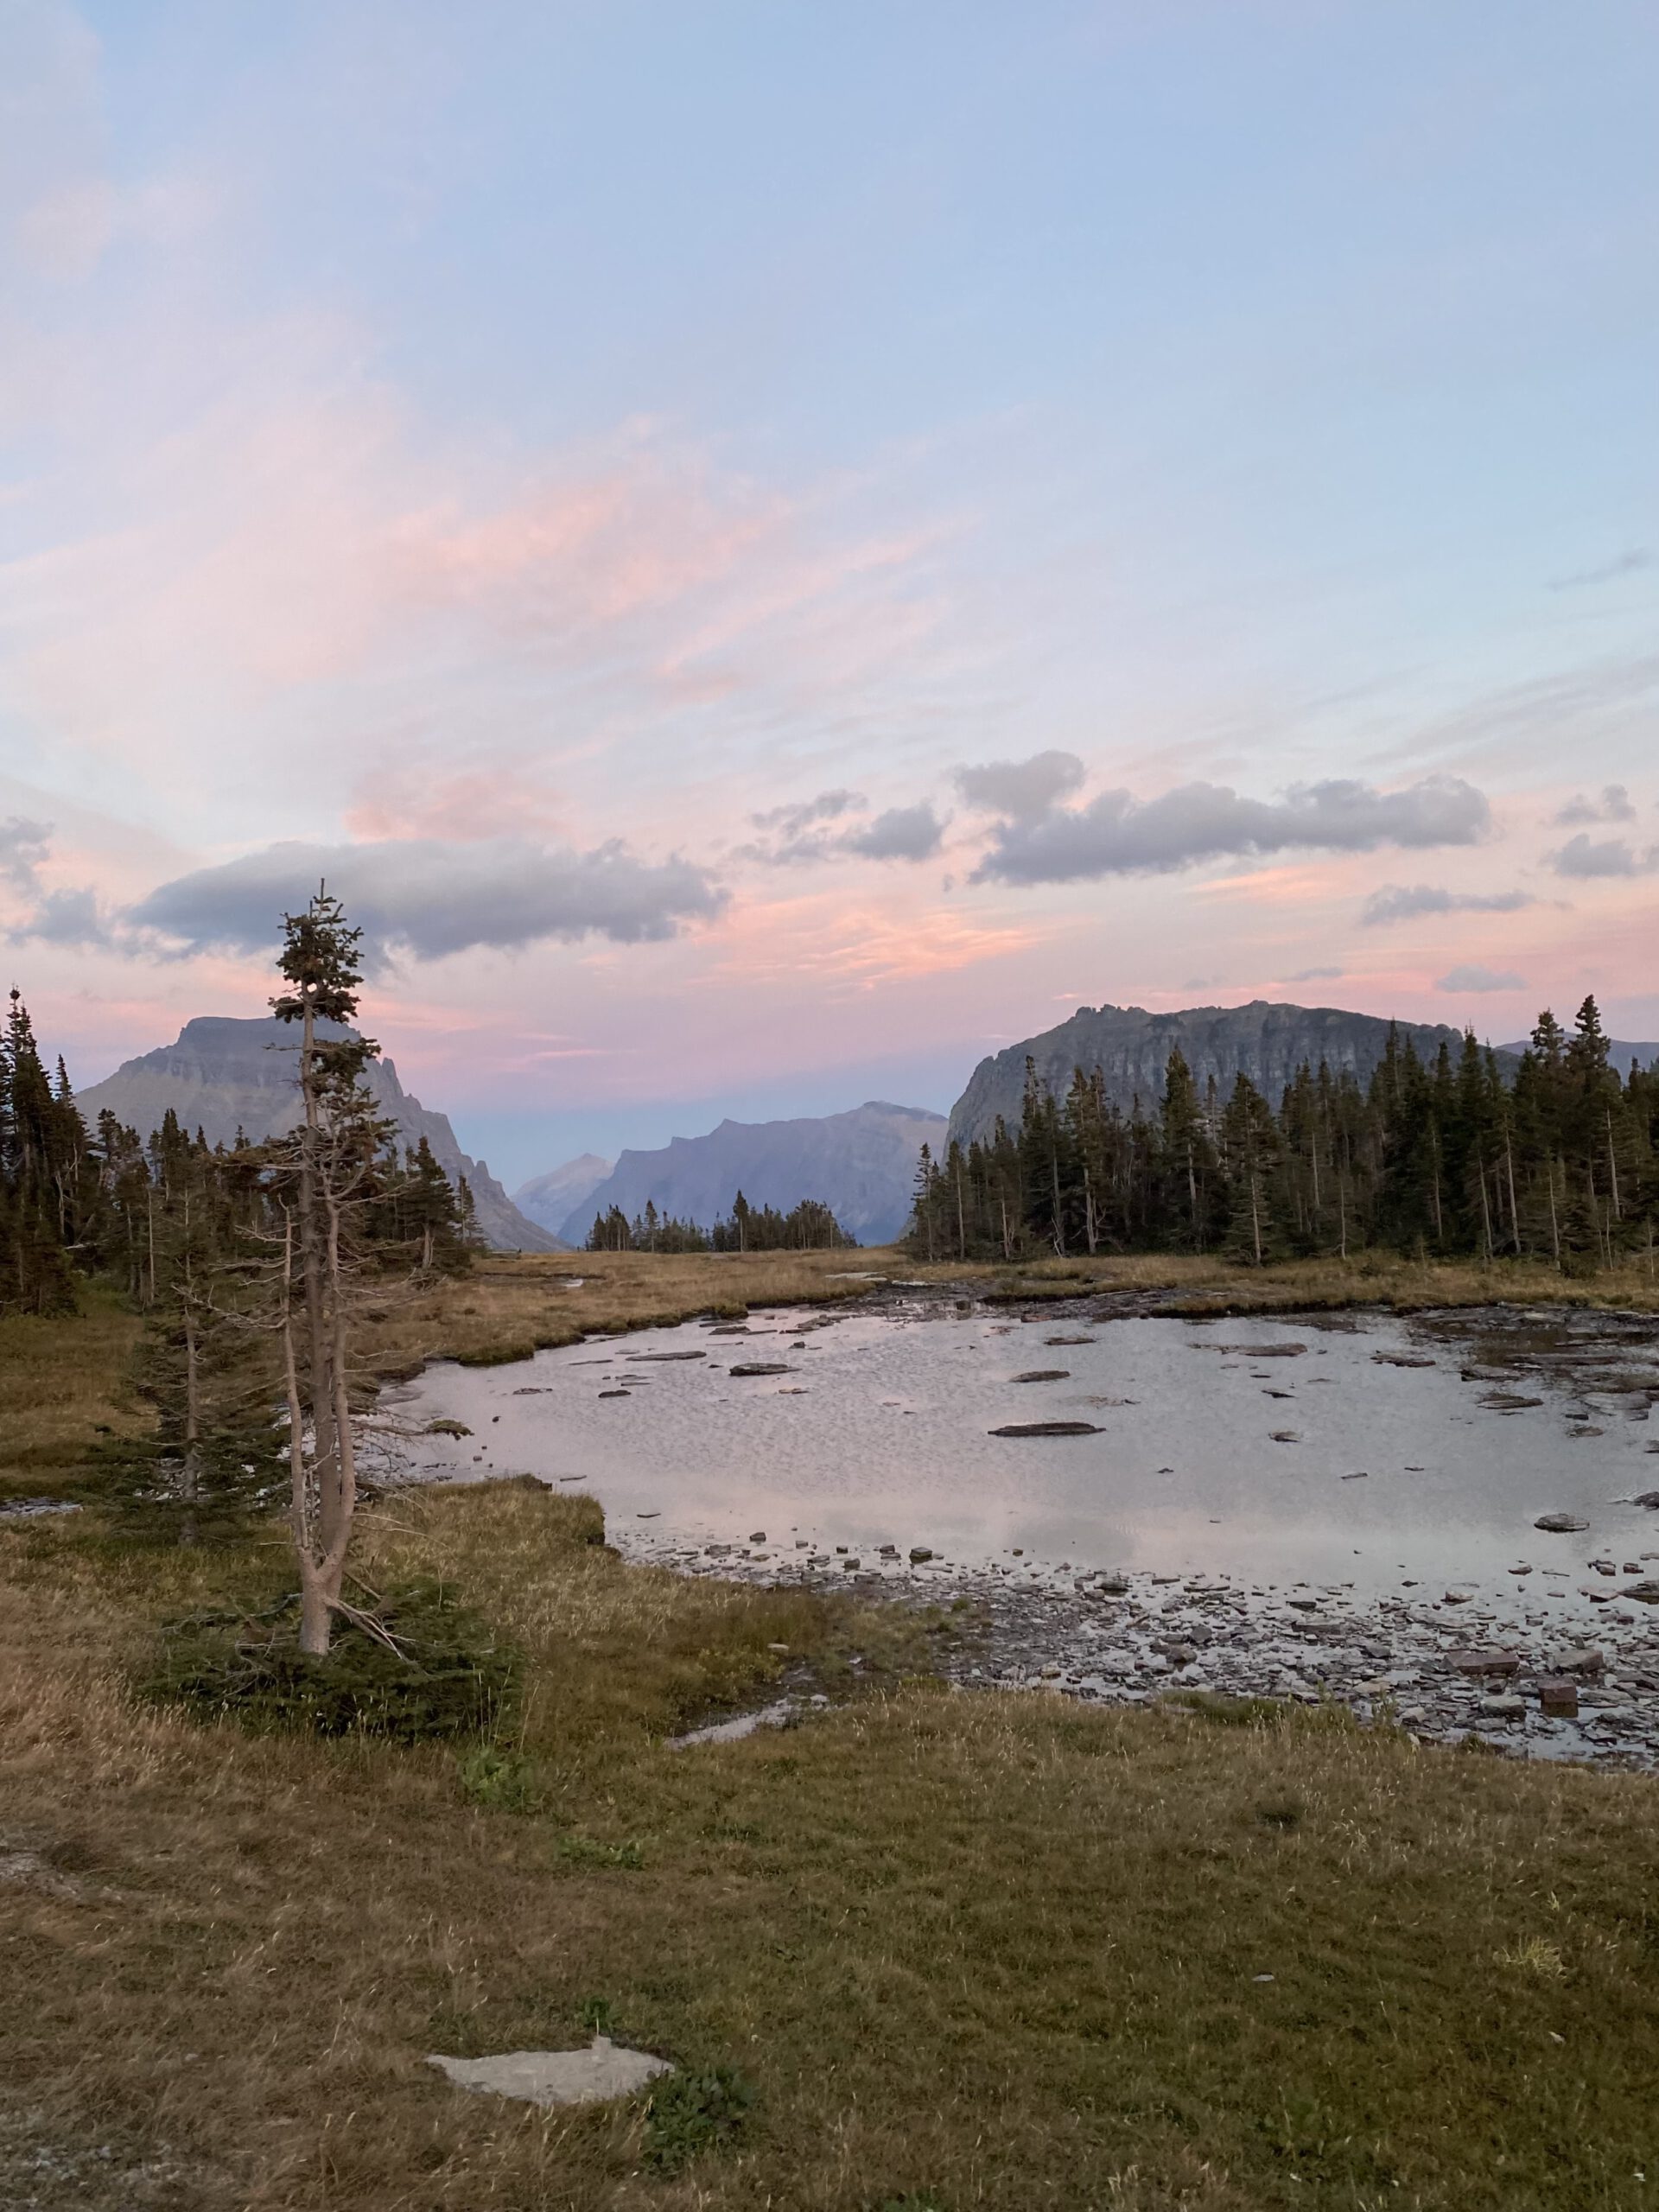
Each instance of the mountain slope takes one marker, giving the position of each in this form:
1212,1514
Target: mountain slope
549,1199
223,1075
860,1164
1266,1041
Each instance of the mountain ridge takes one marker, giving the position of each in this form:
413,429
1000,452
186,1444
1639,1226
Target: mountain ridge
1266,1040
223,1072
860,1163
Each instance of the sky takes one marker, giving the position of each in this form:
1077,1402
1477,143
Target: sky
767,551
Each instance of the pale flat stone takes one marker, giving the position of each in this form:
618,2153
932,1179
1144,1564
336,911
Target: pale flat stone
733,1731
593,2076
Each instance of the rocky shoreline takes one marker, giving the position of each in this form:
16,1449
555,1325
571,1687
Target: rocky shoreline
1445,1670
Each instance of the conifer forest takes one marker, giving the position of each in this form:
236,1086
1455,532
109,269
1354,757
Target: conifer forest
1445,1159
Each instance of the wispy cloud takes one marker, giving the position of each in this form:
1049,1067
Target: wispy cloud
1628,563
1474,978
1614,806
903,833
1404,902
23,845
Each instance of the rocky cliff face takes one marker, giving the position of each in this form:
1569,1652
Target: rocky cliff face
551,1199
222,1074
861,1165
1131,1047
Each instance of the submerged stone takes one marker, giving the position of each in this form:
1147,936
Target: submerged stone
1046,1428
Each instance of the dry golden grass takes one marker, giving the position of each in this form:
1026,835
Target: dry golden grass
995,1951
60,1381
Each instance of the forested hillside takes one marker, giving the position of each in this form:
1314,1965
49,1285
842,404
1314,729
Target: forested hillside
1440,1155
78,1203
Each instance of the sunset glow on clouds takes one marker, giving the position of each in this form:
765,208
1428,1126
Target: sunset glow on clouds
762,551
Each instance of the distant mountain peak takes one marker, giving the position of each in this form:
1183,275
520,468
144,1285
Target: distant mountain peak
1266,1040
225,1072
861,1163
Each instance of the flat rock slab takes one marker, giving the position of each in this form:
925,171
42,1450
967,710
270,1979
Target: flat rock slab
664,1355
1043,1375
760,1367
1047,1429
733,1731
1561,1524
593,2076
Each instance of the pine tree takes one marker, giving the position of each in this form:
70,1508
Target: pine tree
323,1180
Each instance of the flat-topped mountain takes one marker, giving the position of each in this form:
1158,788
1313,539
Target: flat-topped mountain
1131,1047
222,1074
860,1164
551,1198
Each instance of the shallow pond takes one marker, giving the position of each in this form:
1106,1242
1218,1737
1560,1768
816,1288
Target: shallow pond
1366,1454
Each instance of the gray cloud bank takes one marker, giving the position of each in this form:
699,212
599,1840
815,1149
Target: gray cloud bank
1402,902
1117,834
1586,858
430,898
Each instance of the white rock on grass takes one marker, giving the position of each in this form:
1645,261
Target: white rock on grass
593,2076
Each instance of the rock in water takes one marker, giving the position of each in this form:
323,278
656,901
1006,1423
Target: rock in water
1047,1429
593,2076
1043,1375
1560,1524
760,1367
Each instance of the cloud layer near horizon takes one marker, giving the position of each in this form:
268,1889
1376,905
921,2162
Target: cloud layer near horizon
1116,834
432,899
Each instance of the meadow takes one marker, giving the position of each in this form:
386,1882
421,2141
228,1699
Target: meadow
926,1949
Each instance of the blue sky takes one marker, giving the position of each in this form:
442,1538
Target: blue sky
503,451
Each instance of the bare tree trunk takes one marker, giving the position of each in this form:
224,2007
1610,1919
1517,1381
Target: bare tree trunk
1485,1213
1342,1212
1515,1211
1255,1218
1612,1168
1554,1224
190,1473
316,1620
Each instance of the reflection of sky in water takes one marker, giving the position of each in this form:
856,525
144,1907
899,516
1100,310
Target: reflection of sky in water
889,1444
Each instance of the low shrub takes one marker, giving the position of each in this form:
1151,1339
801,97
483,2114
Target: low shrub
690,2113
499,1781
443,1674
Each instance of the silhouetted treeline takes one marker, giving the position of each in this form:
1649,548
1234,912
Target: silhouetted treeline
808,1227
106,1203
1442,1159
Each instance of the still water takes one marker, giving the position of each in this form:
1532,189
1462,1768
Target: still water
1362,1452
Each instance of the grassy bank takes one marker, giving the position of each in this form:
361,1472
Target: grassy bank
963,1951
955,1951
509,1308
